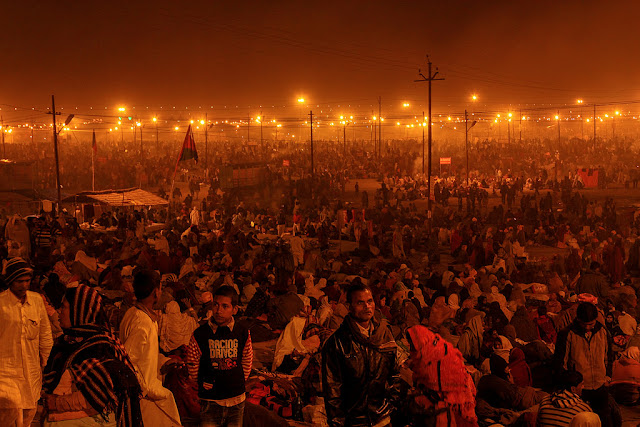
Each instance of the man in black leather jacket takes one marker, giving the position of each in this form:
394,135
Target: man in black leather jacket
359,377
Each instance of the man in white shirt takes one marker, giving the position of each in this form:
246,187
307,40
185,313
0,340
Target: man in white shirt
139,334
194,216
26,343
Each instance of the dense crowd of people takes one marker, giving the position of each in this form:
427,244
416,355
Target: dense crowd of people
299,302
122,164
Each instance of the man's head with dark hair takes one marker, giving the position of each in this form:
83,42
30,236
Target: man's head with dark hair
224,306
361,304
569,380
356,287
586,315
227,291
144,283
595,265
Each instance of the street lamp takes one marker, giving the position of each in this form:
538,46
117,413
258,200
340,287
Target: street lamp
155,121
344,122
580,102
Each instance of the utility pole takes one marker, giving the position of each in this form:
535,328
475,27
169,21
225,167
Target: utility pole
375,138
423,143
311,133
431,78
141,143
380,126
157,141
466,140
558,129
55,150
4,152
261,140
594,125
466,143
344,137
206,141
582,122
248,128
520,127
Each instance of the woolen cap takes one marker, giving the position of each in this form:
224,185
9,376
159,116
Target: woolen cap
16,267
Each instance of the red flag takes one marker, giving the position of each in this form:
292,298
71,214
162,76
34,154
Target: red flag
188,150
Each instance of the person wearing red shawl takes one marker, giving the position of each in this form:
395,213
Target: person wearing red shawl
520,371
456,240
448,392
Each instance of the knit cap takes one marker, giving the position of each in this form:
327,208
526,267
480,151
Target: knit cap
16,267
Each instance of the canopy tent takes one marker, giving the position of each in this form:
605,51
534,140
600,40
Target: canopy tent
125,197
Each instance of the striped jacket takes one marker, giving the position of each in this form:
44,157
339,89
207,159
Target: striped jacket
559,408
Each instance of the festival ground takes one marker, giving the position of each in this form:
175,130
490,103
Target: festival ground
624,198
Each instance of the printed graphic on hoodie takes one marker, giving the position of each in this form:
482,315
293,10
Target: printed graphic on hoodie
223,353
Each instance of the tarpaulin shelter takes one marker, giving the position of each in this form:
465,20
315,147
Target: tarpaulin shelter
126,197
93,203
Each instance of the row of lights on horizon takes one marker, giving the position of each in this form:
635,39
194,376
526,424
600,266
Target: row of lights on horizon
301,100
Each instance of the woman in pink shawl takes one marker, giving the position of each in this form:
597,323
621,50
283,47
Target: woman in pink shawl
439,370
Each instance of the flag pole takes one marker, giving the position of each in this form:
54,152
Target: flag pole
189,143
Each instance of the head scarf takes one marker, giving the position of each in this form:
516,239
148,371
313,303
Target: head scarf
85,306
472,338
439,367
439,312
175,327
454,302
98,363
510,333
